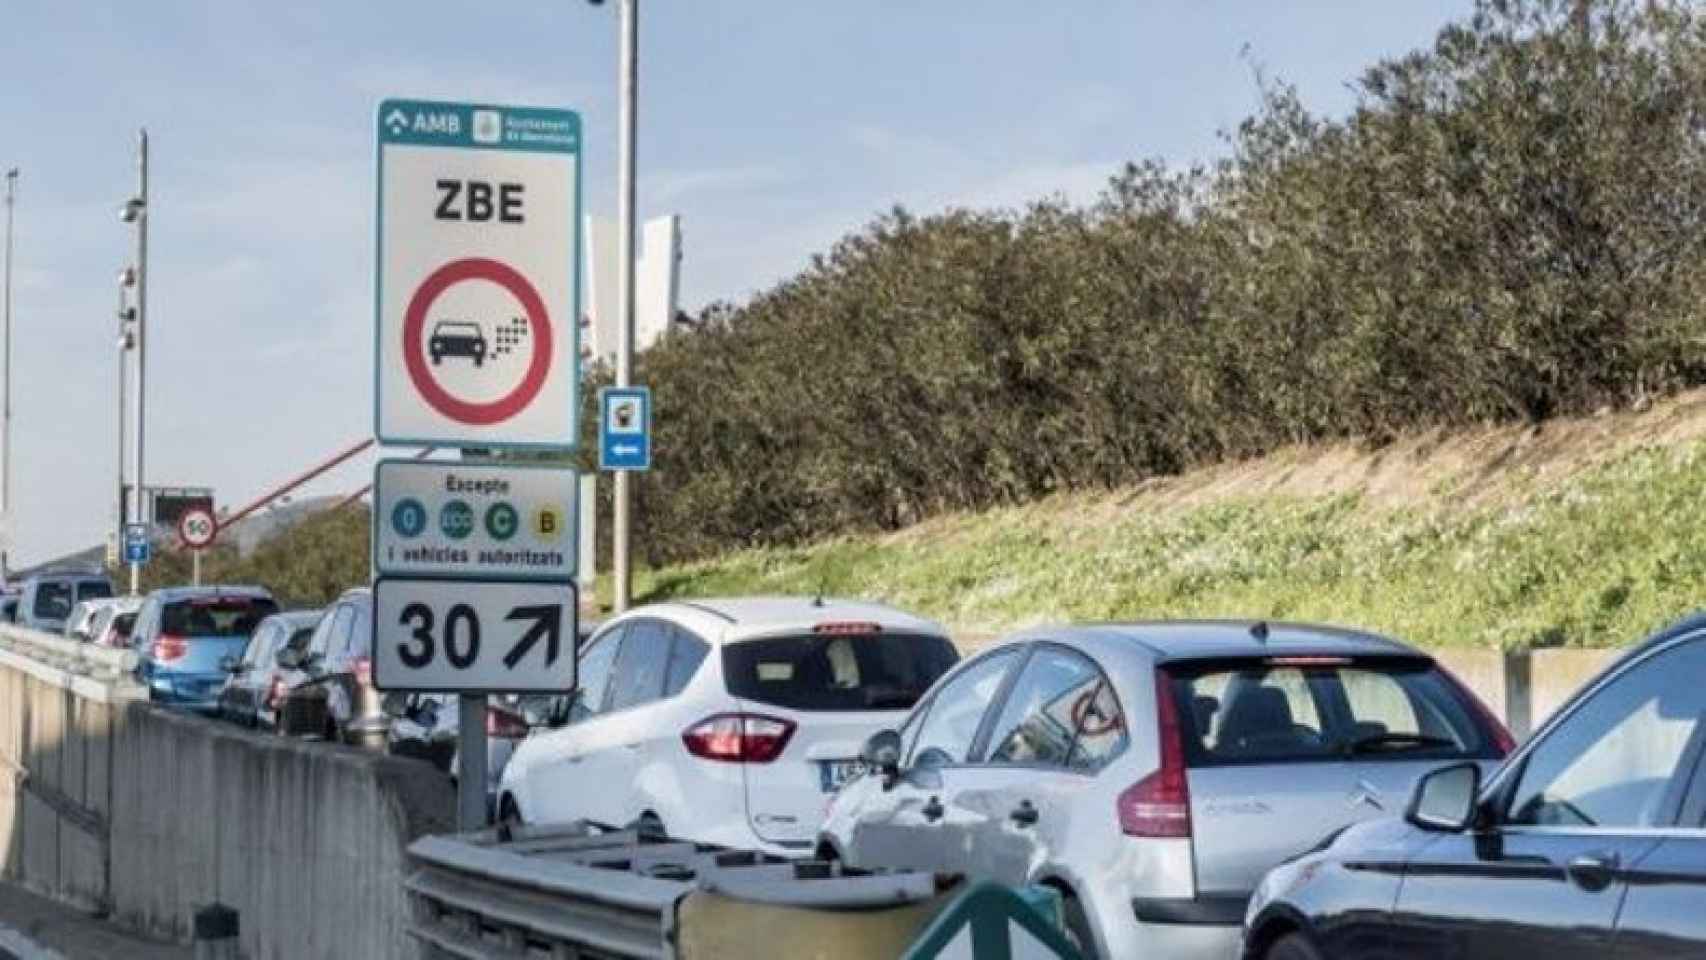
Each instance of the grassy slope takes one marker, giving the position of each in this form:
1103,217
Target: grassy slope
1581,534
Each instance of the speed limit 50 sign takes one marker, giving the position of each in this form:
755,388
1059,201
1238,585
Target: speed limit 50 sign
466,636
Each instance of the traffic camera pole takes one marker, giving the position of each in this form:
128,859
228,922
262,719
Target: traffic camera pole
628,84
139,210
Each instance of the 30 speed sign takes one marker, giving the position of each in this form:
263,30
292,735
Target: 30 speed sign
474,636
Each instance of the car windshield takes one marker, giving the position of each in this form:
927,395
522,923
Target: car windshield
122,625
1288,709
879,671
53,601
215,616
452,329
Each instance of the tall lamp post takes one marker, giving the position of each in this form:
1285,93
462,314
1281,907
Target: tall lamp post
135,211
6,404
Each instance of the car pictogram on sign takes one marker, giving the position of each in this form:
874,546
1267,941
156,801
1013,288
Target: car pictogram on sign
455,338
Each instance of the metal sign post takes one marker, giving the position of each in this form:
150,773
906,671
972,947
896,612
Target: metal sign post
477,345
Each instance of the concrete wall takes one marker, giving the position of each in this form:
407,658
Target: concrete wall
144,814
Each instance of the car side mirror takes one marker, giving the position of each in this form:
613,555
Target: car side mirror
881,753
289,659
230,664
1444,799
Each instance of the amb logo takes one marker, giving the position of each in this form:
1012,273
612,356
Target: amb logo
422,121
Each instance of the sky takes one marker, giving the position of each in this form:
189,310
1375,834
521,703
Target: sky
772,127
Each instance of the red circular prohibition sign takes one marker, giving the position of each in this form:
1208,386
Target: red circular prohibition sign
414,327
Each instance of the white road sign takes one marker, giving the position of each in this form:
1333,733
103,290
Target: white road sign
465,520
474,636
477,293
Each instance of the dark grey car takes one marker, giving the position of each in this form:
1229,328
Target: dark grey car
252,693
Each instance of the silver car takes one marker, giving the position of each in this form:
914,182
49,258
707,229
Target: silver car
1153,772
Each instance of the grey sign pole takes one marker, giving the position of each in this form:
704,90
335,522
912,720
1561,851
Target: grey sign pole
627,83
470,749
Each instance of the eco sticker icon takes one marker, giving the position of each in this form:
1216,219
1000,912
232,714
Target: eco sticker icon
456,520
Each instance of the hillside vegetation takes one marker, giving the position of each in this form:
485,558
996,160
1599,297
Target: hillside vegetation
1580,534
1506,228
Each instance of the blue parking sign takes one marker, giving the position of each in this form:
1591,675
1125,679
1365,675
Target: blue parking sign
625,428
136,545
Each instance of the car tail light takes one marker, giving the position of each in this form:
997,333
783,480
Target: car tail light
1493,725
168,648
502,723
275,693
363,667
1159,805
1308,661
738,737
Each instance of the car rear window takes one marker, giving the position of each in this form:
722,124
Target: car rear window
215,616
94,590
53,600
123,623
875,671
1302,709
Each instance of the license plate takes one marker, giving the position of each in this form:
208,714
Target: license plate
833,773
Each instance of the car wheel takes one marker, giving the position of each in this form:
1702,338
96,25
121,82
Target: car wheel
1077,930
1292,946
508,812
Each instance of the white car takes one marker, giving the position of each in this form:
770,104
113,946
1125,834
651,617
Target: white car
1153,772
729,722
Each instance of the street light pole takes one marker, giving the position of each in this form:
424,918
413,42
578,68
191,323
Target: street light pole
136,211
628,83
6,412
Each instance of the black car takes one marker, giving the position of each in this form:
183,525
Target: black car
1590,841
453,338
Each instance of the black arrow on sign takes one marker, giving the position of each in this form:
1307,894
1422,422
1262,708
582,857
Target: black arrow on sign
547,623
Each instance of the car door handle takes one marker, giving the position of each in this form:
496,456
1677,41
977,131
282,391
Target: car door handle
1025,814
1593,871
934,810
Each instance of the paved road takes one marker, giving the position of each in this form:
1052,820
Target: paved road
34,928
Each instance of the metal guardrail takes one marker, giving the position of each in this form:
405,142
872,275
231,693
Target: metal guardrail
576,891
71,656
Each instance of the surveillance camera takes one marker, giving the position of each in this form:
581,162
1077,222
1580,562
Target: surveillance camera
131,210
127,277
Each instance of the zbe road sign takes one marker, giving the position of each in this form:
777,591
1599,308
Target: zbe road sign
477,287
473,635
197,528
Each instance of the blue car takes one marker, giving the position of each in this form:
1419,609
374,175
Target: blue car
183,636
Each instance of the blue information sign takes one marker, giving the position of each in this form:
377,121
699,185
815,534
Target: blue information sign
625,428
136,545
